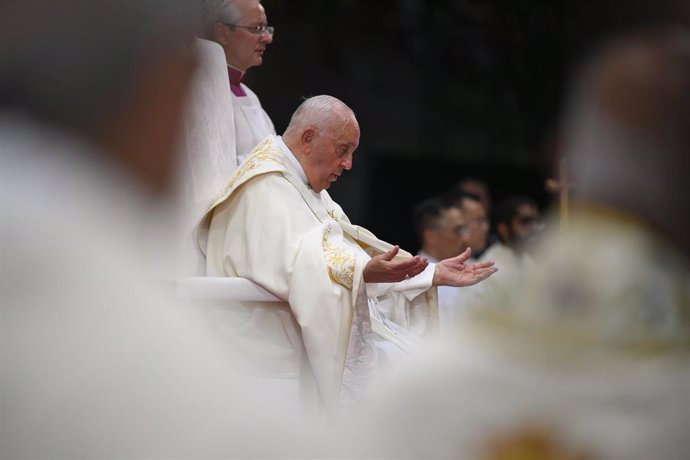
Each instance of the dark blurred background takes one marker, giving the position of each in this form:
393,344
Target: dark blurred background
443,90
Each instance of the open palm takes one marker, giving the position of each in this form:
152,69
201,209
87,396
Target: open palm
457,272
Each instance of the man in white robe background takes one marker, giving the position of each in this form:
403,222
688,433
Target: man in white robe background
240,28
441,229
517,224
277,226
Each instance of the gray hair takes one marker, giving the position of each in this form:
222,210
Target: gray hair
225,11
322,112
75,63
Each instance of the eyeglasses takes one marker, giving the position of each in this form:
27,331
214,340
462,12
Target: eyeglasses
256,30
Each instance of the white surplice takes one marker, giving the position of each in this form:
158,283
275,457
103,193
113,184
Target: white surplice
252,123
334,330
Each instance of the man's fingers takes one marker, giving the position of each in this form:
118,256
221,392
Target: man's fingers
485,272
482,265
406,264
390,255
399,270
418,269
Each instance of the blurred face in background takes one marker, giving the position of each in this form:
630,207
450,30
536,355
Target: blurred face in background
446,239
526,223
477,224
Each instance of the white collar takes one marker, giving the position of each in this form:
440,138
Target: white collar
293,159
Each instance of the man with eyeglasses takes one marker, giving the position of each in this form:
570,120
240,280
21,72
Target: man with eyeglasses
240,28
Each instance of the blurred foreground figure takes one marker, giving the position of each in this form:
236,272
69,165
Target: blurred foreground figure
95,362
591,361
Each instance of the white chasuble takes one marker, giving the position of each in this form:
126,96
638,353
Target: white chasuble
271,228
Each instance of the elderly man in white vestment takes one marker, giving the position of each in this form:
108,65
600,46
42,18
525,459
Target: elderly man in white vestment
240,28
355,302
96,361
592,360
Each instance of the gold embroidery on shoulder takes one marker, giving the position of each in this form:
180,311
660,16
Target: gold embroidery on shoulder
341,265
331,213
262,153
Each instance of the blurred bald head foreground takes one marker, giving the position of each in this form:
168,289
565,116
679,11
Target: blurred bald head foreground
628,133
112,72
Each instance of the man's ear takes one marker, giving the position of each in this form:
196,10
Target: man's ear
307,139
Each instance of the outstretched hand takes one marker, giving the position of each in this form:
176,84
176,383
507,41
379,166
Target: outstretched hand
456,272
383,269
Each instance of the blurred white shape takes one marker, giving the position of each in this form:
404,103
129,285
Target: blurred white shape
208,157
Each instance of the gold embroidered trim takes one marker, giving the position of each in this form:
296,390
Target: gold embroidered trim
341,265
261,154
331,213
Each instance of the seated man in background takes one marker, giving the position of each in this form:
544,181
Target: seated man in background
352,301
479,188
476,220
441,229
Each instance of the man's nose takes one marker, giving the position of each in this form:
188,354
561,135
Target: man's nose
266,38
347,163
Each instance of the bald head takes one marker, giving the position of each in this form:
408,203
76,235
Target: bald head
323,134
323,112
628,132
